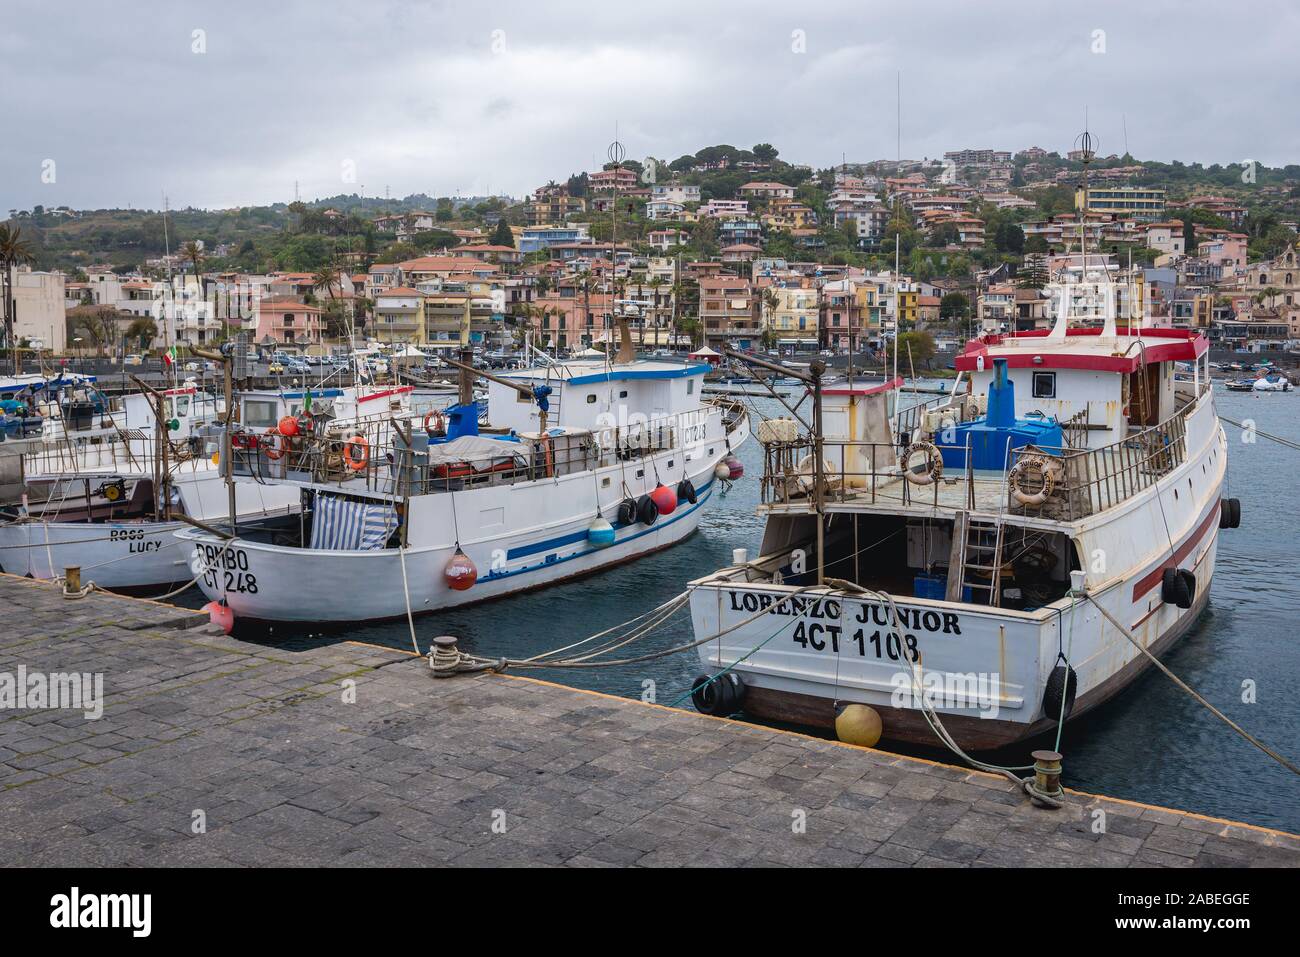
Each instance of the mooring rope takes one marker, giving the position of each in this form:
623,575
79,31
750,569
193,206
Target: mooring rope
1187,688
1268,435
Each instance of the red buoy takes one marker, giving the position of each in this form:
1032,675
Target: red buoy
460,572
665,498
734,467
221,614
288,426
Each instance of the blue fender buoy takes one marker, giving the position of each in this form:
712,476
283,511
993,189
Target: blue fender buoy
600,533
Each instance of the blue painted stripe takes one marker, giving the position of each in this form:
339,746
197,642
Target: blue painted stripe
702,494
614,375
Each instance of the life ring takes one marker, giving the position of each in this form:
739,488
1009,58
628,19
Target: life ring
275,443
933,464
1022,480
439,422
356,453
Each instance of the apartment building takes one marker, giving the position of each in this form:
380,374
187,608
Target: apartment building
287,321
792,317
728,312
39,309
674,193
761,190
1143,203
534,238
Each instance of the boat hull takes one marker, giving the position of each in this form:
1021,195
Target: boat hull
264,582
114,556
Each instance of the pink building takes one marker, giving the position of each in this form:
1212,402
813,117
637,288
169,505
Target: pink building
288,321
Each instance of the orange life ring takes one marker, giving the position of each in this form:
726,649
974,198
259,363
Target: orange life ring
356,453
438,419
275,444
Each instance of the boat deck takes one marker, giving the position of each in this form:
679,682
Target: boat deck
1090,481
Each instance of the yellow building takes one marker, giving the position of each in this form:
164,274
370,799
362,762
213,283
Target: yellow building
792,319
399,315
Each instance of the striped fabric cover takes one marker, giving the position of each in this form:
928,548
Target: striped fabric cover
341,523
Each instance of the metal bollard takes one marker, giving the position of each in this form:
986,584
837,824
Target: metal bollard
1047,773
72,578
444,656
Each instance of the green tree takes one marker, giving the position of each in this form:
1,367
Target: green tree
143,330
954,305
918,346
502,235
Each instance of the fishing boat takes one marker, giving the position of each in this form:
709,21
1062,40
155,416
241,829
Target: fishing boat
107,494
966,560
588,463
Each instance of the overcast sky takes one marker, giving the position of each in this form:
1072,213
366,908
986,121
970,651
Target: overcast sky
470,97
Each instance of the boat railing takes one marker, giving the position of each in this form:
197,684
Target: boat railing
391,456
858,471
1080,482
1061,484
112,447
910,421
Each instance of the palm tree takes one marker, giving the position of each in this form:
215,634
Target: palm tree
13,251
194,253
768,302
656,284
143,329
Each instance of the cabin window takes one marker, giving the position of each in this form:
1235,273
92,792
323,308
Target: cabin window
260,413
623,394
523,397
1044,385
591,399
690,386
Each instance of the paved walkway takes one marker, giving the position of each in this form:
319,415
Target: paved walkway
214,751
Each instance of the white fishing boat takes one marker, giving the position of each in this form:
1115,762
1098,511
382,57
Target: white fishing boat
589,463
107,497
968,559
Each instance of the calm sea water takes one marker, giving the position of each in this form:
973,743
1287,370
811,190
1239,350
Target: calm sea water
1153,743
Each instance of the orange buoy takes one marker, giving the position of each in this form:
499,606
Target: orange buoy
356,452
460,572
288,426
220,614
665,498
435,423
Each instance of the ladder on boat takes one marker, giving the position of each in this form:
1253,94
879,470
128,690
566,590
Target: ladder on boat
977,552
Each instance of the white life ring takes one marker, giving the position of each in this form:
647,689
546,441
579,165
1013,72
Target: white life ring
805,472
1033,471
933,464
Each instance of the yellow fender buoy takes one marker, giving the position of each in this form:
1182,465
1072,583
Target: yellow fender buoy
858,724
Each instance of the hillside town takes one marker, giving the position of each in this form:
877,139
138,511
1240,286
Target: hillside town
726,248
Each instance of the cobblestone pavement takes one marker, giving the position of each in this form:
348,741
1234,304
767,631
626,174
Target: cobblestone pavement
346,754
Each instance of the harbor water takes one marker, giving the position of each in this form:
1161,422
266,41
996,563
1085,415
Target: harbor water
1152,744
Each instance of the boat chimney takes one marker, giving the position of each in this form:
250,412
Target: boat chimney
1002,397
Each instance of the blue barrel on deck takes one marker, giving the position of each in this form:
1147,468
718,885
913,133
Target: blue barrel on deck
990,437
